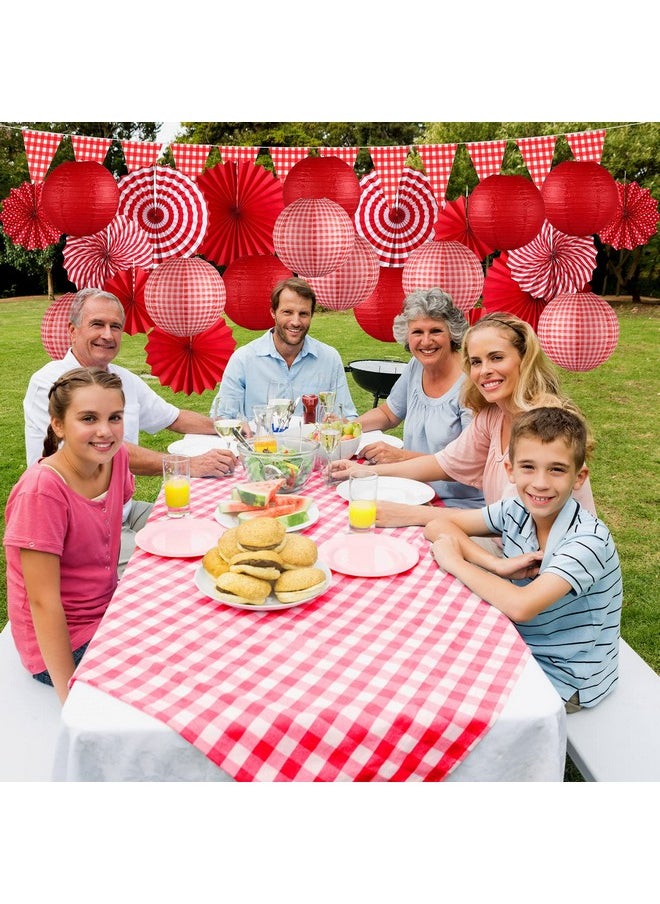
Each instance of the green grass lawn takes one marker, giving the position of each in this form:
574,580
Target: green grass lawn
620,399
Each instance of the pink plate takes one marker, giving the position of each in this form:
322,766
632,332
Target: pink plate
369,555
179,538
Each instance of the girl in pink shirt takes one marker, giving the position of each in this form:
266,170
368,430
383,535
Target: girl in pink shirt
63,526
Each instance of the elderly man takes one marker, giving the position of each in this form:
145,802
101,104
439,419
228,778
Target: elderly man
96,322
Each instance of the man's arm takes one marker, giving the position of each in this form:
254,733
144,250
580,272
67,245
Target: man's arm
192,422
149,462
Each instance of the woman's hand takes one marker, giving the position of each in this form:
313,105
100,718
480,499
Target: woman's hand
381,453
343,468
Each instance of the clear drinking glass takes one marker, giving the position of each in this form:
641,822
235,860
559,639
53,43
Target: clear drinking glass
362,495
227,414
280,402
176,484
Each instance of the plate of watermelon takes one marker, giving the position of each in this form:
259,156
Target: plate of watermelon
261,497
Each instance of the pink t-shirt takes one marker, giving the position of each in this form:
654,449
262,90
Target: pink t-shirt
475,457
45,514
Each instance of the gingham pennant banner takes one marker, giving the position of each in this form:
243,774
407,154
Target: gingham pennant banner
139,154
191,158
285,158
537,154
486,157
87,148
438,160
238,154
388,163
587,145
348,155
40,148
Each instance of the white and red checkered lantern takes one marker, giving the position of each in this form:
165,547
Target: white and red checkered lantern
55,336
353,282
249,282
323,177
184,296
450,266
313,236
580,197
80,198
505,212
578,331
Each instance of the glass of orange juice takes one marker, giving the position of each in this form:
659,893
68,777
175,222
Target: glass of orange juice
176,484
263,439
362,495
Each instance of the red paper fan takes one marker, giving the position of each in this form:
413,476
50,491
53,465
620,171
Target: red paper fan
453,225
23,218
90,260
243,202
190,363
502,293
55,336
128,286
553,263
168,207
636,218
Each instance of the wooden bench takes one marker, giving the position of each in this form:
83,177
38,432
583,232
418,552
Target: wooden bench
30,716
619,740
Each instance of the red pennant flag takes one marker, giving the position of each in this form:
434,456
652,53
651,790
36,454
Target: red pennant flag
40,148
388,163
587,145
487,157
139,154
537,154
238,154
85,148
285,158
348,155
191,158
438,160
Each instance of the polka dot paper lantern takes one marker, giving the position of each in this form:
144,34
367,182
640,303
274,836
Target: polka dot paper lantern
323,177
55,336
313,236
505,212
351,283
376,314
578,331
580,197
80,198
450,266
184,296
249,282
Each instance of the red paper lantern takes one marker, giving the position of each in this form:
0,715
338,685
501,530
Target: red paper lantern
505,211
55,336
184,296
353,282
578,331
450,266
313,236
580,197
249,281
80,198
376,314
323,177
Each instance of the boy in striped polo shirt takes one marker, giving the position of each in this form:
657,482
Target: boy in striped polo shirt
559,580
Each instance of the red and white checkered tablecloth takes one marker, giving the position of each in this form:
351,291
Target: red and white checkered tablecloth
379,679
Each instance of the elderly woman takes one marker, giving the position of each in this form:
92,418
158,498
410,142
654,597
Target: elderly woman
426,394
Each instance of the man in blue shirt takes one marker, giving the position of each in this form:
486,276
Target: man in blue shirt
559,579
287,354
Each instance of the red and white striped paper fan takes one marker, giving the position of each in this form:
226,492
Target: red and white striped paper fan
553,263
169,208
55,336
396,231
91,260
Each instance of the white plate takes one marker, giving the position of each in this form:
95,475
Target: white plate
206,584
397,489
228,520
181,538
196,444
369,555
377,436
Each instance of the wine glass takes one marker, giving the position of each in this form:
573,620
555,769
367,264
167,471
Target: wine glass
280,404
227,415
328,426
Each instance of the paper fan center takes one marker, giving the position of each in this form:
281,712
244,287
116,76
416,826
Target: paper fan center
397,215
155,215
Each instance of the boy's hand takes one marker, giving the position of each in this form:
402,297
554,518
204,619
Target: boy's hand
519,567
446,551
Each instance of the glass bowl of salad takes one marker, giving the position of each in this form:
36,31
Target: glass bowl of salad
290,459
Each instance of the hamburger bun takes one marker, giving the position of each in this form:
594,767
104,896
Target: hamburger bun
214,563
242,588
299,552
298,584
228,544
261,563
261,533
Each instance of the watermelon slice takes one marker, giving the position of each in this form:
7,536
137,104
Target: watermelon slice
293,519
280,505
258,493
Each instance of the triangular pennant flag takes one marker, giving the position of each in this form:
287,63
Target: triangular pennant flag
348,155
487,157
587,145
388,163
537,154
139,154
85,148
190,158
238,153
40,148
285,158
438,160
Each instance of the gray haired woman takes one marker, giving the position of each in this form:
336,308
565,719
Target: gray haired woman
426,395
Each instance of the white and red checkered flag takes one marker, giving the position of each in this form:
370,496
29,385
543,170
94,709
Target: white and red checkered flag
190,159
587,145
285,158
389,163
537,153
40,148
486,157
86,147
438,160
348,155
237,153
138,154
